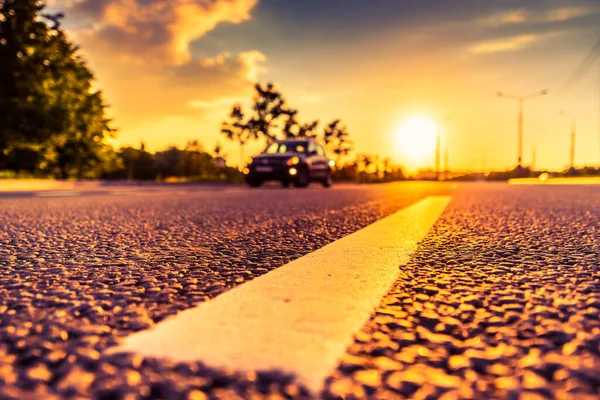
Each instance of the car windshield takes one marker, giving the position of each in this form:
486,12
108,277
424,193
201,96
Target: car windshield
287,147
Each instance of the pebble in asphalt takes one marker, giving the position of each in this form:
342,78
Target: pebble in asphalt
78,273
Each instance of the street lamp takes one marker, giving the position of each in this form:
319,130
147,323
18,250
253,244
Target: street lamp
521,100
572,150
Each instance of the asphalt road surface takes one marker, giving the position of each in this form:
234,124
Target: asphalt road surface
501,300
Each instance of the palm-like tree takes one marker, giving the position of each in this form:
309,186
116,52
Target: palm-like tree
237,129
308,129
269,106
337,139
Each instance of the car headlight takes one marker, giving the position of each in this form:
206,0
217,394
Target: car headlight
293,161
331,163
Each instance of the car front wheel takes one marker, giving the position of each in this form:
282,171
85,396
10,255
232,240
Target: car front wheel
302,180
254,183
327,182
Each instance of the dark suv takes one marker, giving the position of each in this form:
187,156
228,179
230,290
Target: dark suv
297,161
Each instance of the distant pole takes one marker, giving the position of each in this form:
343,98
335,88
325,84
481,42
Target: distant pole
572,147
437,157
533,160
446,164
521,100
572,153
520,151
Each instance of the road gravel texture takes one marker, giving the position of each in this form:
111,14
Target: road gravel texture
502,300
78,273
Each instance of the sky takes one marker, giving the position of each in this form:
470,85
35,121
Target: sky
172,69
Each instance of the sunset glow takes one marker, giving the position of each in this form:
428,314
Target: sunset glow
416,138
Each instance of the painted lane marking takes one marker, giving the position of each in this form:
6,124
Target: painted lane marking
301,317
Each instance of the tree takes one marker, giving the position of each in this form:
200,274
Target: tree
269,106
169,163
290,127
308,129
237,129
136,164
271,119
337,140
47,104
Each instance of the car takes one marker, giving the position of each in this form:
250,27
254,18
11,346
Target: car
291,161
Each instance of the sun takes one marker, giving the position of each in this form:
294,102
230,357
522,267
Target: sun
416,138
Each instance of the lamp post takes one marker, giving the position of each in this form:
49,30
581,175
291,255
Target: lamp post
521,100
572,149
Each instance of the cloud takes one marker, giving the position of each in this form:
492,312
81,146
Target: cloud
504,18
218,103
503,44
150,31
246,65
148,92
139,50
566,13
522,16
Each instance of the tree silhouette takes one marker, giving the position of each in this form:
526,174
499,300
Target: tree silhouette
47,105
308,129
271,119
237,129
269,106
337,140
291,126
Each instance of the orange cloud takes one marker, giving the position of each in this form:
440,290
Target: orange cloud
140,52
147,92
521,16
504,44
504,18
152,31
566,13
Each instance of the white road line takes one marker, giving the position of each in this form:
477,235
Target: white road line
301,317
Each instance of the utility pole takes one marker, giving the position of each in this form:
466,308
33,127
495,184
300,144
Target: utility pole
446,163
521,100
572,148
437,157
533,160
583,68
